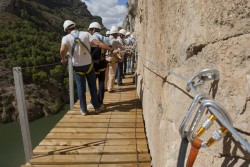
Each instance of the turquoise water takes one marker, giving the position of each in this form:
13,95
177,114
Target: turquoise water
11,146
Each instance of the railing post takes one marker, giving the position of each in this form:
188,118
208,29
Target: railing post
23,116
71,83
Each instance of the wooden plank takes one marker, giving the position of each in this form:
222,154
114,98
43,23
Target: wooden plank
84,120
95,135
84,149
76,136
79,130
144,158
96,120
133,149
123,116
88,117
65,159
124,158
77,142
116,112
126,125
85,125
142,148
125,135
114,130
71,142
126,120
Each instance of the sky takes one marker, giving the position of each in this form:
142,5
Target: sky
111,11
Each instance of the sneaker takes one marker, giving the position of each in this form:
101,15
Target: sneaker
100,109
84,113
90,106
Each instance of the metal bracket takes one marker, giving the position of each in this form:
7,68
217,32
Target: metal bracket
203,75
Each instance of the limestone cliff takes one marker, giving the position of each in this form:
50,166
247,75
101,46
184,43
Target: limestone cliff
185,37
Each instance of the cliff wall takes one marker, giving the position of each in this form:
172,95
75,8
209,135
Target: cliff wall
185,37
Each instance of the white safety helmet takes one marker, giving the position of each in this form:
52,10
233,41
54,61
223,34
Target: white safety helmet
122,31
128,33
68,24
113,30
95,25
107,33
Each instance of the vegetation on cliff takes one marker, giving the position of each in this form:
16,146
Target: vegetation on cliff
30,39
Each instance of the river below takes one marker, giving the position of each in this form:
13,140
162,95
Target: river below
11,144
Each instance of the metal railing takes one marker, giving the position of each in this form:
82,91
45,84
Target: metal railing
23,116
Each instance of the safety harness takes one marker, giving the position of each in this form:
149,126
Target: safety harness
78,41
99,58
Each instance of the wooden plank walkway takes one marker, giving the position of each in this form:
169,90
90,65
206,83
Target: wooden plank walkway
113,138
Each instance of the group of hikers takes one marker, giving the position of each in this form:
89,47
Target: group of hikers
97,57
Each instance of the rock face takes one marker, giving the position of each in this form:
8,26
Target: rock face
8,5
129,20
185,37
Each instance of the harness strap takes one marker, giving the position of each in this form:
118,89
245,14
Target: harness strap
96,48
79,41
103,69
99,71
110,62
196,145
90,68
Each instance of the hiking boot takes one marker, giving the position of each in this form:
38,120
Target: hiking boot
100,109
120,84
102,105
90,106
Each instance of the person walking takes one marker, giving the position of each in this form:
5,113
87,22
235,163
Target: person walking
120,65
130,55
111,69
78,44
98,58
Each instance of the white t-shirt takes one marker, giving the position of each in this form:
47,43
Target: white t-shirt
101,38
81,56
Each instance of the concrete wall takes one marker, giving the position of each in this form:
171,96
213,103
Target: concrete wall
187,36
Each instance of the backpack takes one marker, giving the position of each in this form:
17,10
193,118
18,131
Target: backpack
96,52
